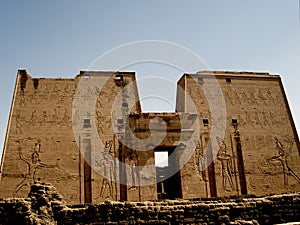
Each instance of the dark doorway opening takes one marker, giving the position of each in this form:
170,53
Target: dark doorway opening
167,180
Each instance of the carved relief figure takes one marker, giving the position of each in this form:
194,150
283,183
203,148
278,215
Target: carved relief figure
76,117
66,118
54,116
265,119
282,158
237,98
34,98
33,164
257,120
228,95
107,163
88,94
253,97
45,117
18,123
132,169
226,164
199,161
33,119
242,122
250,121
271,99
57,93
45,94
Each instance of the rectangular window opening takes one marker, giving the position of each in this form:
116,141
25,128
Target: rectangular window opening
86,123
120,121
205,122
234,121
125,105
228,80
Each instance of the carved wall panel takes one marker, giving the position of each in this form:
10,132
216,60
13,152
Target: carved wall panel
41,144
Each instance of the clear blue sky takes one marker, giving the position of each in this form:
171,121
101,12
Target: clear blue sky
60,38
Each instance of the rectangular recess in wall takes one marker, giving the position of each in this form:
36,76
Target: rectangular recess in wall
205,122
119,77
200,80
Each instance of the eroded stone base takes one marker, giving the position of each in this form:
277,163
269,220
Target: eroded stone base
45,206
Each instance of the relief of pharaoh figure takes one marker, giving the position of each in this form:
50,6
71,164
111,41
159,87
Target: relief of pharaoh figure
282,157
226,165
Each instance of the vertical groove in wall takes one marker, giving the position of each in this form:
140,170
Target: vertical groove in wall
87,172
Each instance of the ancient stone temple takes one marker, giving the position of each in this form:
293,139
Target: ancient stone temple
232,133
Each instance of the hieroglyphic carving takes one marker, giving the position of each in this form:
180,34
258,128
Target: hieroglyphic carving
226,165
237,97
35,98
266,119
213,95
54,116
229,97
105,98
45,93
56,93
66,118
253,96
262,119
76,117
282,157
250,123
19,123
88,94
274,120
97,91
45,118
242,122
217,120
270,98
68,92
244,95
257,120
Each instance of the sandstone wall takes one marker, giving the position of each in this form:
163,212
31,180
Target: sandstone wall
55,136
42,143
262,151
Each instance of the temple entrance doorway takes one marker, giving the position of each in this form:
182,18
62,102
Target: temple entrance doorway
168,182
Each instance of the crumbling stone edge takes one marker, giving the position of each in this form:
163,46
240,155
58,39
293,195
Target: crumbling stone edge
45,206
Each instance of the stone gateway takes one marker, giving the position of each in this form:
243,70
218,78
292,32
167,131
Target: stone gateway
232,133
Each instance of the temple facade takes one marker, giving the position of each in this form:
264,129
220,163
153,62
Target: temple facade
232,133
